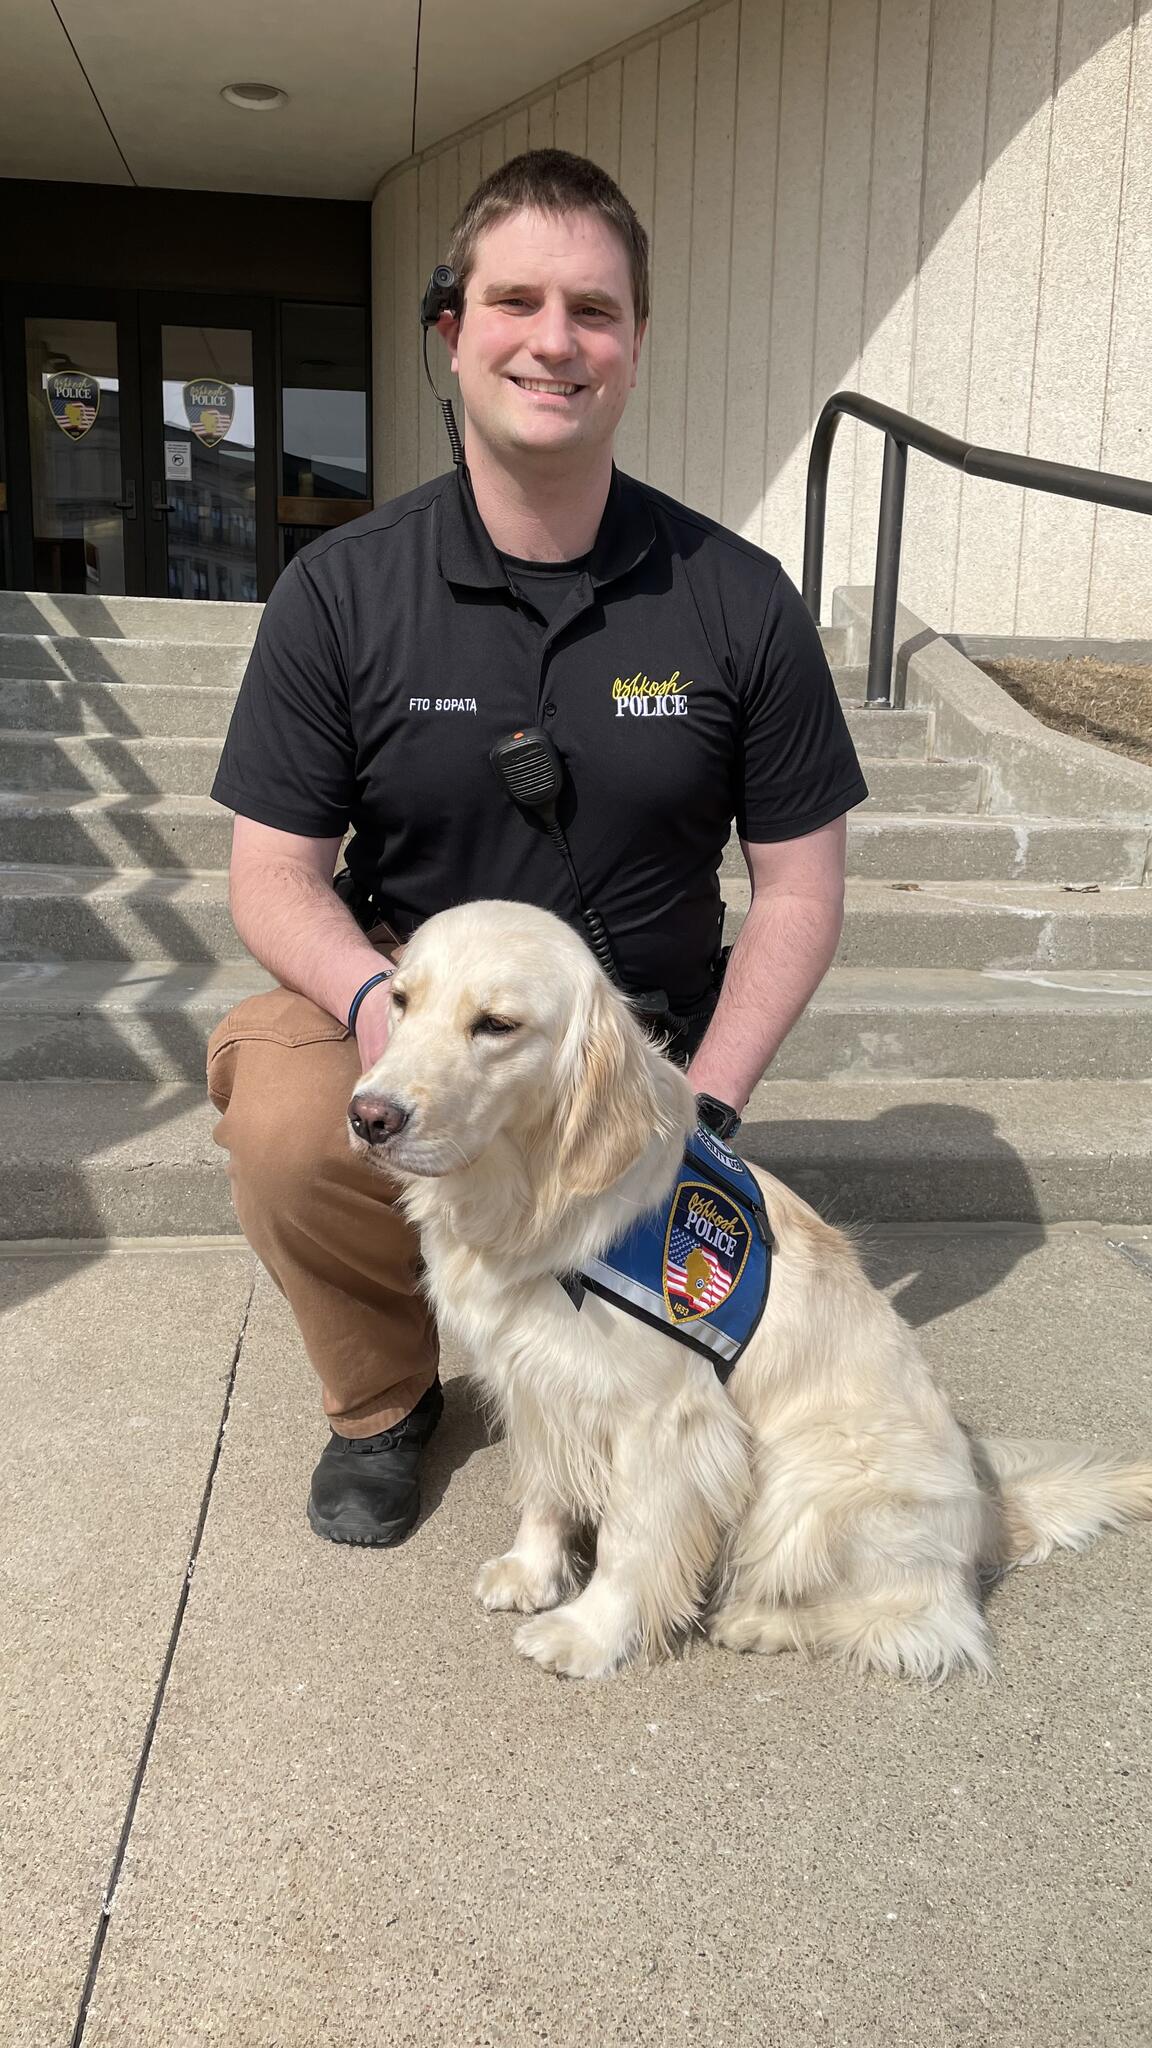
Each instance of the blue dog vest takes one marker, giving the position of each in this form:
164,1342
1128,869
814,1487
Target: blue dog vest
698,1266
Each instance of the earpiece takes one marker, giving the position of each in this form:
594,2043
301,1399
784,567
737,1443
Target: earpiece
440,295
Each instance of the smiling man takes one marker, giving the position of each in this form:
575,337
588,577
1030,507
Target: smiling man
684,686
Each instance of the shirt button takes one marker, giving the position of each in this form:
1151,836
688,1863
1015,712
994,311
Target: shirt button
549,711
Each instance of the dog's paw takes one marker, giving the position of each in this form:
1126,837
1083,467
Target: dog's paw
564,1642
766,1629
514,1582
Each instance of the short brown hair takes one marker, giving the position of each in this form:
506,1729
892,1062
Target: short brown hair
550,181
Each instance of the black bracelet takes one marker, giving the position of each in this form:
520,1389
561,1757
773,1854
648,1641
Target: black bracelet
373,982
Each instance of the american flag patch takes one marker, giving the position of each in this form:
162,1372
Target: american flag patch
687,1278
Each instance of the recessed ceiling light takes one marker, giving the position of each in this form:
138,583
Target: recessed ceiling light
256,99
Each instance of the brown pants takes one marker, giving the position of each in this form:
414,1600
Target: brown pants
325,1225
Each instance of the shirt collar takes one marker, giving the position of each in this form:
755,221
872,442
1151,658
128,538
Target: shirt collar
466,554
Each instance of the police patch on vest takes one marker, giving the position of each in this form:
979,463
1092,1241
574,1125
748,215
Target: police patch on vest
697,1267
705,1247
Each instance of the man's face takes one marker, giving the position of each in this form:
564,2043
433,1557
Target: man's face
549,303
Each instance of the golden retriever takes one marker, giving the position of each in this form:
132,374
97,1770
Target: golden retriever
826,1499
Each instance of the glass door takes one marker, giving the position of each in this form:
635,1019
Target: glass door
209,441
209,481
142,443
75,455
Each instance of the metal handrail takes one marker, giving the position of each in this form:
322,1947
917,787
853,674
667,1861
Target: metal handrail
901,432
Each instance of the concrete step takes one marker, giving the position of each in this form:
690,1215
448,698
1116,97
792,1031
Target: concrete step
851,680
109,1159
116,764
186,832
893,735
115,1020
165,832
884,847
139,618
135,1020
131,710
130,765
92,913
925,789
840,644
79,913
100,1159
978,925
954,1023
995,1151
174,663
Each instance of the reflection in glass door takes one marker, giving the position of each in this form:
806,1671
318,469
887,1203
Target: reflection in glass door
79,498
207,494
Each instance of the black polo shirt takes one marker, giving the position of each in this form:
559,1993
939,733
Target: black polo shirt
681,678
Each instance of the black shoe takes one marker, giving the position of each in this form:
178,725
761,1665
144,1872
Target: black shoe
365,1489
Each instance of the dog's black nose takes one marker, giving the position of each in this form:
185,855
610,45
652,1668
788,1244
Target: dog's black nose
376,1118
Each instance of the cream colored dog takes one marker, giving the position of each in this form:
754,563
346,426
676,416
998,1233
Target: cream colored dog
826,1499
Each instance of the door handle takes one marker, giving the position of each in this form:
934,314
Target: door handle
160,504
128,502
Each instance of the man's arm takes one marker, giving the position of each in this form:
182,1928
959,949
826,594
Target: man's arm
290,918
784,950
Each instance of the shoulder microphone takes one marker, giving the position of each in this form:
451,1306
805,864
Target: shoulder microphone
532,772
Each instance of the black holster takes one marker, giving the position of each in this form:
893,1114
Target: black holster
684,1029
355,895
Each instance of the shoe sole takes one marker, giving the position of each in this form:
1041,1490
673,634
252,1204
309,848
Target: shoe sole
380,1538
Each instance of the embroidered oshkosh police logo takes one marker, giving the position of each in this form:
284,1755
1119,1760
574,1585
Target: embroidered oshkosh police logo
642,696
705,1247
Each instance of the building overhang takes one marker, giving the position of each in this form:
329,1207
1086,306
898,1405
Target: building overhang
115,92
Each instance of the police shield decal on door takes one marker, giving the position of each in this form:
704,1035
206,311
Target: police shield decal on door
210,405
74,401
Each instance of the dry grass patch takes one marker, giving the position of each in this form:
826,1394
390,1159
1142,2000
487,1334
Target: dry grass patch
1103,701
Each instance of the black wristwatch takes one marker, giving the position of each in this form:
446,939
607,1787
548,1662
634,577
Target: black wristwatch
718,1117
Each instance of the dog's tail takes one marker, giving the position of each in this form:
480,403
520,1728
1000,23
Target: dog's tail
1057,1496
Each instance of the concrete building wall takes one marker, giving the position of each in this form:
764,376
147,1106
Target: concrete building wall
944,203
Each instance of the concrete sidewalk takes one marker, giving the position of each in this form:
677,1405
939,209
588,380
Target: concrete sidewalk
363,1820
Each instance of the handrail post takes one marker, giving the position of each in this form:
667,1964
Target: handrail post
888,538
819,458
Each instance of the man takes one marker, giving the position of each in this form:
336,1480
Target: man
683,683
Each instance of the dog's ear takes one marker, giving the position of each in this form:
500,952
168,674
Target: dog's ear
608,1107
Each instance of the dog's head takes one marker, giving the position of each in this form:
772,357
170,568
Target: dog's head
503,1024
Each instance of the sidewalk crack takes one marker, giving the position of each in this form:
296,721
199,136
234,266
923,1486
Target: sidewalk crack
108,1896
1135,1254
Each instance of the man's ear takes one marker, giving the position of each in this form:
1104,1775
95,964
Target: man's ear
448,327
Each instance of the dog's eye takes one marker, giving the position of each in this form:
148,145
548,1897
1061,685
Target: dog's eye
400,999
493,1027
